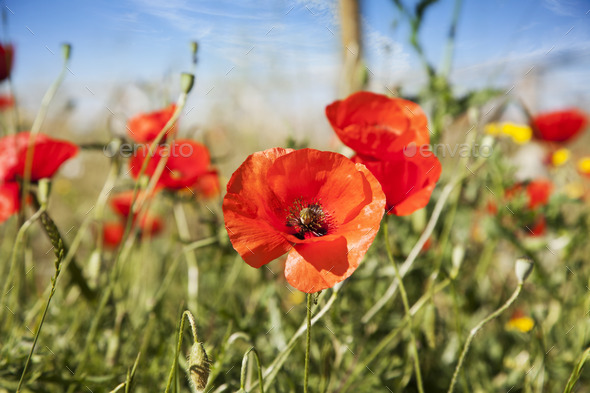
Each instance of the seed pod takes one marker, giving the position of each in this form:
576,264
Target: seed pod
199,366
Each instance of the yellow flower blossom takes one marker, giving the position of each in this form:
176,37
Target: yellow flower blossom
519,133
492,129
523,324
584,165
560,157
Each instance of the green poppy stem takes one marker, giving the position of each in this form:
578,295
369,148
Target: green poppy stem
408,314
476,329
307,343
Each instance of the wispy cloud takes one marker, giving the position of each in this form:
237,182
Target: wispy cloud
566,7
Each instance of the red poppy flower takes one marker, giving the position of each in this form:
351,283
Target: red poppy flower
374,125
144,127
538,227
6,57
407,182
48,155
558,126
538,192
319,207
121,203
6,102
112,233
187,161
9,200
207,186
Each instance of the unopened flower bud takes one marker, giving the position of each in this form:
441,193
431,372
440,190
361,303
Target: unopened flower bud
67,51
523,268
199,366
186,82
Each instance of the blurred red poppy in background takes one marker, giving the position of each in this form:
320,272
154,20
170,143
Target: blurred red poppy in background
319,207
113,231
558,126
9,200
374,125
6,102
207,186
538,192
187,161
144,127
149,225
6,58
48,155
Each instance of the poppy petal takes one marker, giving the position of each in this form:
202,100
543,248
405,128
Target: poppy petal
145,127
408,182
319,264
187,160
373,124
312,267
247,210
558,126
9,200
328,178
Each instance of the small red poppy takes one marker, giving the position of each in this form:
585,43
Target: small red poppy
48,155
558,126
538,191
407,182
6,102
121,202
145,127
112,233
207,186
187,161
6,58
374,125
538,227
319,207
9,200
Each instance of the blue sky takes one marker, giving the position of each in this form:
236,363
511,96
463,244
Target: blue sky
285,54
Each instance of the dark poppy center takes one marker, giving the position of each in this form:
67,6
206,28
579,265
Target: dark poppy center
307,219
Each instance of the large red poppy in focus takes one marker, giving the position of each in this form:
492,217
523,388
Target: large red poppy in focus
387,134
187,161
319,207
558,126
374,125
145,127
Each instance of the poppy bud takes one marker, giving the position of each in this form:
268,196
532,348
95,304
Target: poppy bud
194,50
199,366
67,51
187,81
43,190
523,268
